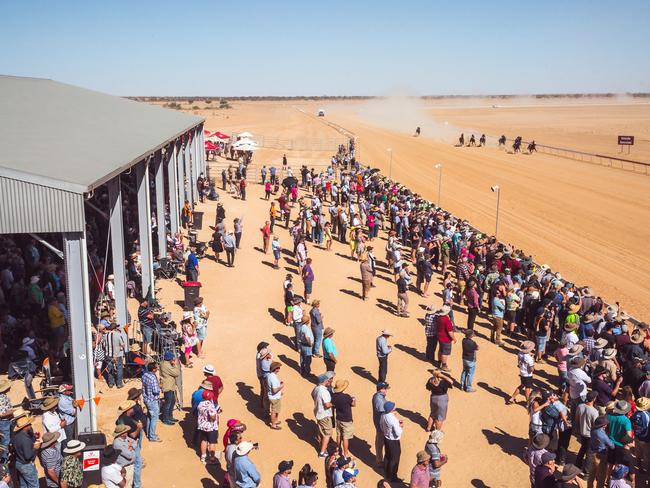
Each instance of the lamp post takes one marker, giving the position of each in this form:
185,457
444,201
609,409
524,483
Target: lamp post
390,164
497,190
439,168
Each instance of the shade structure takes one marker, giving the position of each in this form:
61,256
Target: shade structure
246,147
221,135
210,146
244,142
244,135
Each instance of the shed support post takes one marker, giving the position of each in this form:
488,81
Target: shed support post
180,163
144,226
117,248
160,204
172,180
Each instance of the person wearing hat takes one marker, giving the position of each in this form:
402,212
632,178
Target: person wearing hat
533,454
578,380
446,337
201,316
526,365
71,469
170,371
619,423
383,349
274,387
437,459
420,476
330,353
323,411
365,268
263,360
378,401
641,426
341,463
51,458
470,347
391,428
297,316
599,447
544,472
343,404
282,479
305,346
568,477
52,421
349,476
209,374
151,397
128,451
115,344
113,475
610,364
6,416
619,475
67,410
246,474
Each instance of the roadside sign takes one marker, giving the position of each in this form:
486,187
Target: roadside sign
91,461
626,140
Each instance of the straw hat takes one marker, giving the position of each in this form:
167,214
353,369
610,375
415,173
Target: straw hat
386,332
244,448
121,429
436,436
600,343
135,347
609,353
577,362
574,307
576,349
637,336
5,386
341,385
423,456
49,403
589,318
23,422
50,438
444,310
570,327
643,404
20,412
328,332
126,405
74,446
275,365
621,407
527,346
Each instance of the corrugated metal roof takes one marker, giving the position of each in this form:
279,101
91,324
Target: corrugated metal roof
28,207
75,139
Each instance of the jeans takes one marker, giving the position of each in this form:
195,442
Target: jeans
114,372
237,239
472,313
584,447
467,376
305,360
318,339
432,345
192,274
296,331
153,411
137,468
27,475
383,368
169,399
329,364
5,430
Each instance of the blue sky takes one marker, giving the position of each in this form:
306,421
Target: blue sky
330,48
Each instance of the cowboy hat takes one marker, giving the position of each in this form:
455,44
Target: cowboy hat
576,349
589,318
444,310
74,446
207,385
275,365
5,385
574,307
328,332
436,436
133,393
643,404
23,422
600,422
541,441
527,346
569,472
386,332
121,429
423,456
340,385
244,448
637,337
49,403
609,353
208,369
50,438
621,407
586,292
19,412
600,343
135,347
126,405
570,327
110,455
187,315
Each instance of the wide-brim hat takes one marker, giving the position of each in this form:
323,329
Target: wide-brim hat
643,404
244,448
23,422
621,407
589,318
208,369
574,307
275,365
341,385
576,349
570,327
586,292
637,337
386,332
436,436
121,429
569,472
49,403
577,362
541,441
5,386
600,343
423,456
135,347
600,422
328,332
609,353
74,446
527,346
133,393
50,438
444,310
126,405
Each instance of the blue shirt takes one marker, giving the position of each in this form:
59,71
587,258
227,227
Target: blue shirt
498,307
599,441
246,475
197,397
382,347
192,261
66,409
329,348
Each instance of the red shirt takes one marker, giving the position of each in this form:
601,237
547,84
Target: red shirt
266,231
216,385
445,327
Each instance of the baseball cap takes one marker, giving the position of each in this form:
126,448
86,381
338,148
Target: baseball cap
348,474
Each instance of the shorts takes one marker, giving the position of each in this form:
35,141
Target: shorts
202,333
275,405
526,381
540,342
345,429
510,316
445,348
211,437
308,286
276,254
147,334
325,426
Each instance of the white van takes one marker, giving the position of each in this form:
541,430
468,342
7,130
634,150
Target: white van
321,113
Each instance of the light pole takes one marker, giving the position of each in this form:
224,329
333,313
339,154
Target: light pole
497,190
439,168
390,164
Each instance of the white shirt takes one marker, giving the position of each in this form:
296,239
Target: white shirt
578,380
321,396
297,313
112,475
52,423
525,363
390,426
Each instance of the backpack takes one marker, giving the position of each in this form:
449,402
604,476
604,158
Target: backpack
550,419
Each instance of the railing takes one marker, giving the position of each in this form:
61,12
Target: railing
638,167
300,144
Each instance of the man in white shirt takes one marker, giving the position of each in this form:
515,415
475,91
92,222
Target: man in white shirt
113,475
323,410
297,314
52,421
274,391
391,427
526,365
578,380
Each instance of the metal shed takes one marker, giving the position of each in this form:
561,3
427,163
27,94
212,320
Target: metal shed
58,143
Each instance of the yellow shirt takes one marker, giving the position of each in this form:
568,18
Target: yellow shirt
54,313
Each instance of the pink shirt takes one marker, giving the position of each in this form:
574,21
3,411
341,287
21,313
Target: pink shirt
561,354
420,476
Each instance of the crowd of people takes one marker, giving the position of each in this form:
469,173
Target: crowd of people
600,395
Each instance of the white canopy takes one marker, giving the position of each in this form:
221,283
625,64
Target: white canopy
244,135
